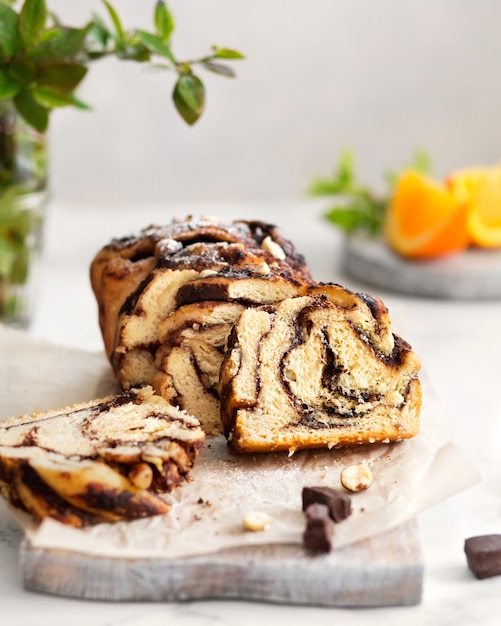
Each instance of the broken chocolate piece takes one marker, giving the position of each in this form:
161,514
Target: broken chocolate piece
338,504
319,528
483,554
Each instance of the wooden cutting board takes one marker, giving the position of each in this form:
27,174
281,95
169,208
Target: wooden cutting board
385,570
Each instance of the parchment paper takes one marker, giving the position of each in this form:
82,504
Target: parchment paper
207,511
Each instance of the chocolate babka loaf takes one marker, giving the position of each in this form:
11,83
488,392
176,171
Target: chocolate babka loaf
319,370
170,297
141,281
99,461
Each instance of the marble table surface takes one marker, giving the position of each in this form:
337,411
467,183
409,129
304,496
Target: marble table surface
459,343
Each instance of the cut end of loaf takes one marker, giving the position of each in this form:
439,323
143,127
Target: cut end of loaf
308,373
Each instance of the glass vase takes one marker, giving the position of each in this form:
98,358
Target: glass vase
23,203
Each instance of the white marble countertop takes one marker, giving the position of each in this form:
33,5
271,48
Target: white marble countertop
459,345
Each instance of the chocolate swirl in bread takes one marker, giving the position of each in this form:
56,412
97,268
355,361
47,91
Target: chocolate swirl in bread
318,370
104,460
193,337
193,342
120,267
140,281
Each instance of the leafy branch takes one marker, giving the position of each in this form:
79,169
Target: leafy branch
357,207
42,61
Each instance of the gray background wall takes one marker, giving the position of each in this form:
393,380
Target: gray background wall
382,77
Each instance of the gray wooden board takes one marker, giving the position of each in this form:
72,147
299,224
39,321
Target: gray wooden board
470,275
385,570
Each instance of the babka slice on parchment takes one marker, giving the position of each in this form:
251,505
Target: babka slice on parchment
319,370
100,461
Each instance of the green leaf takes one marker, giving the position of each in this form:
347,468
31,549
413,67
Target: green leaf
120,33
79,104
10,39
359,208
346,218
189,97
363,212
35,114
219,68
326,187
155,45
99,31
137,52
54,19
32,20
21,265
350,218
14,258
7,258
346,168
8,87
50,34
22,71
421,162
342,182
164,21
51,98
63,76
226,53
64,46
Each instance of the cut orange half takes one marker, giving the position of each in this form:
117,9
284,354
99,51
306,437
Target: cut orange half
480,188
424,218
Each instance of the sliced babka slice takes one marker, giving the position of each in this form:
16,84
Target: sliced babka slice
130,329
122,269
193,342
190,272
193,338
254,284
319,370
104,460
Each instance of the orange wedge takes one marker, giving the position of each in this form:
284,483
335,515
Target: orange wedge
480,189
425,219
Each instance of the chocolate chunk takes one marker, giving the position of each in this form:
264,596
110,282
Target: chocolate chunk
338,504
483,554
319,528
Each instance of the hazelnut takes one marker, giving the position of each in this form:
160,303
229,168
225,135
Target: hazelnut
356,477
273,247
141,475
263,268
256,521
